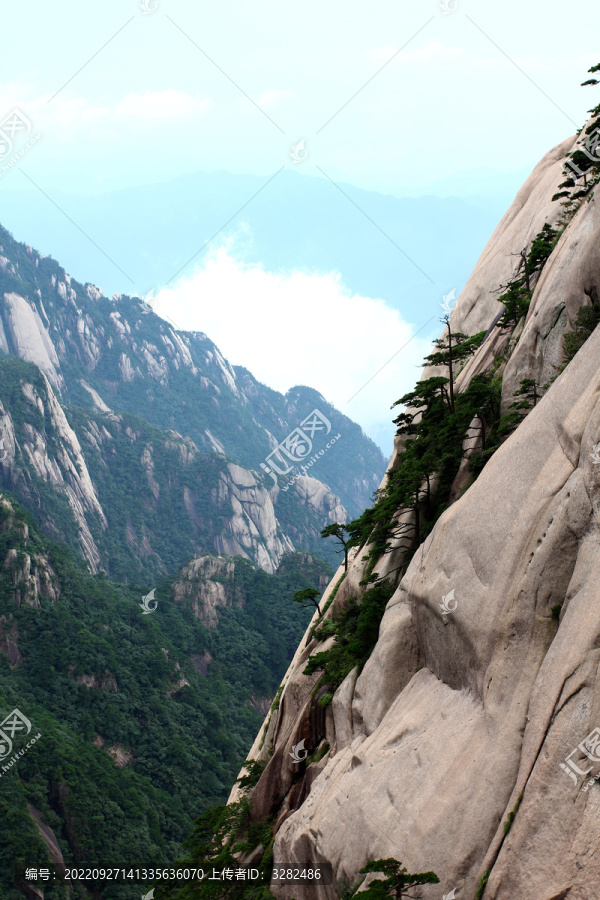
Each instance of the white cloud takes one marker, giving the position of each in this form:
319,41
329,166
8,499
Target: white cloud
433,52
271,97
168,104
69,111
77,113
436,53
302,328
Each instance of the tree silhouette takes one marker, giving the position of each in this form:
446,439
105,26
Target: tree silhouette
398,879
452,349
516,294
307,597
339,531
420,399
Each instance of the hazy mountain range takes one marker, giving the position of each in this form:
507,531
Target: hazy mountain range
406,251
140,445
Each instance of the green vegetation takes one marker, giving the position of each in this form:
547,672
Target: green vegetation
307,598
582,165
397,881
586,322
276,701
433,433
339,531
592,80
320,753
100,680
218,835
254,769
528,390
481,886
356,632
541,248
525,398
511,816
451,350
324,623
516,295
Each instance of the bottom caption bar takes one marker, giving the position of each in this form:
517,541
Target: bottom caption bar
282,873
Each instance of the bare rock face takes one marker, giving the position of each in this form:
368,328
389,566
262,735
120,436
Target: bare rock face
196,587
121,756
461,745
532,208
63,465
9,640
106,682
505,692
51,843
320,499
570,280
252,531
31,338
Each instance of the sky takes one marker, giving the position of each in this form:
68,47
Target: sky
459,97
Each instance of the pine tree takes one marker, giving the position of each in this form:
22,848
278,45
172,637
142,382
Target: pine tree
450,350
398,879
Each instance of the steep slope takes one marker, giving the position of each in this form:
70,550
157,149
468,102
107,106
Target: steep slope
145,715
124,406
459,744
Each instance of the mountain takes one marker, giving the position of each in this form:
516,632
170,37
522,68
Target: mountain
131,717
140,446
444,710
158,509
295,221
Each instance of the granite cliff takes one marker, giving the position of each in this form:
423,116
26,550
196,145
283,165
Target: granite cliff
464,744
140,446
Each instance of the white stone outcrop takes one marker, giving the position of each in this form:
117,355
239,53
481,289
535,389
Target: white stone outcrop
30,338
253,529
478,304
446,750
196,587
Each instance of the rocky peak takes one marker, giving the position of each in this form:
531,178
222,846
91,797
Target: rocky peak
104,367
449,747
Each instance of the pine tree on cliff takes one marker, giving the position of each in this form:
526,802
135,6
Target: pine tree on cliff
398,879
593,81
450,350
307,597
516,294
581,164
421,399
340,532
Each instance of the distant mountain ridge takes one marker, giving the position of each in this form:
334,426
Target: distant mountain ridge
294,222
141,445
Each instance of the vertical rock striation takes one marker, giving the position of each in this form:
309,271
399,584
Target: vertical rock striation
445,751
